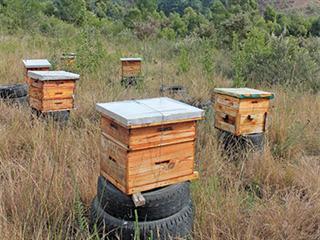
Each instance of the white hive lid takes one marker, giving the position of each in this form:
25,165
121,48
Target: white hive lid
52,75
244,93
130,59
149,111
36,63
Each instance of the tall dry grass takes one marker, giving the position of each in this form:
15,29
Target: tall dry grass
47,172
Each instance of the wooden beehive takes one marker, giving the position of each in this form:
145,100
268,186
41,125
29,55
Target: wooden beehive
68,58
131,67
148,143
52,90
241,111
35,65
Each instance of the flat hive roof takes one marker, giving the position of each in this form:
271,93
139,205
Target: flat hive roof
149,111
52,75
244,93
36,63
130,59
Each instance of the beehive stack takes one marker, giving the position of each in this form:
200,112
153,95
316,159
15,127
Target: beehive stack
52,91
35,65
131,70
68,59
147,144
242,112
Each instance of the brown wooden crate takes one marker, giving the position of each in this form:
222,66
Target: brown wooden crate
147,137
131,68
51,93
231,114
51,105
136,168
158,164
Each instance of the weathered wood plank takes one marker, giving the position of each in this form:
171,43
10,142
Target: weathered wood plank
145,187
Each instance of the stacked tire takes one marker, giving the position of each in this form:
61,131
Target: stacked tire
240,145
14,93
61,117
167,213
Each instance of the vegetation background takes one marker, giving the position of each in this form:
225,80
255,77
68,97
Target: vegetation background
48,175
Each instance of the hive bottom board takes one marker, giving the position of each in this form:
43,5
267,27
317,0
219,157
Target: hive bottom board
150,186
146,169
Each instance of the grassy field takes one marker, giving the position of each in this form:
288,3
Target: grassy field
48,175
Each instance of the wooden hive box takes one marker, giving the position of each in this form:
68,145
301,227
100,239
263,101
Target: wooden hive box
35,65
52,90
131,67
241,111
68,58
148,143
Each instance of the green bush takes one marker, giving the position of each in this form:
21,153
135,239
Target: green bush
276,60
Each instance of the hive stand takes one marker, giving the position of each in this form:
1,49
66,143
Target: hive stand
131,70
51,91
148,143
241,111
35,65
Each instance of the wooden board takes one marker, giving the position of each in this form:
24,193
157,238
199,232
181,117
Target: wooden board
242,93
146,187
51,93
158,164
51,105
54,84
148,137
145,167
114,160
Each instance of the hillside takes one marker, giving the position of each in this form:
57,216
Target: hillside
49,172
290,4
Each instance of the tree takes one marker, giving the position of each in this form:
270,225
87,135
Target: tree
73,11
315,27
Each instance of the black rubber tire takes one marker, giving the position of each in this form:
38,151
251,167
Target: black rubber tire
250,142
57,116
160,203
17,101
177,225
13,90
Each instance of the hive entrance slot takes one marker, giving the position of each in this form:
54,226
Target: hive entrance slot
113,125
250,118
163,162
163,129
112,159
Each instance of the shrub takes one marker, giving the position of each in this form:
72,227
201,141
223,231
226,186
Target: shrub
276,60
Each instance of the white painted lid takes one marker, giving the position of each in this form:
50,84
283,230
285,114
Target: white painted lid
52,75
148,111
244,93
36,63
130,59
